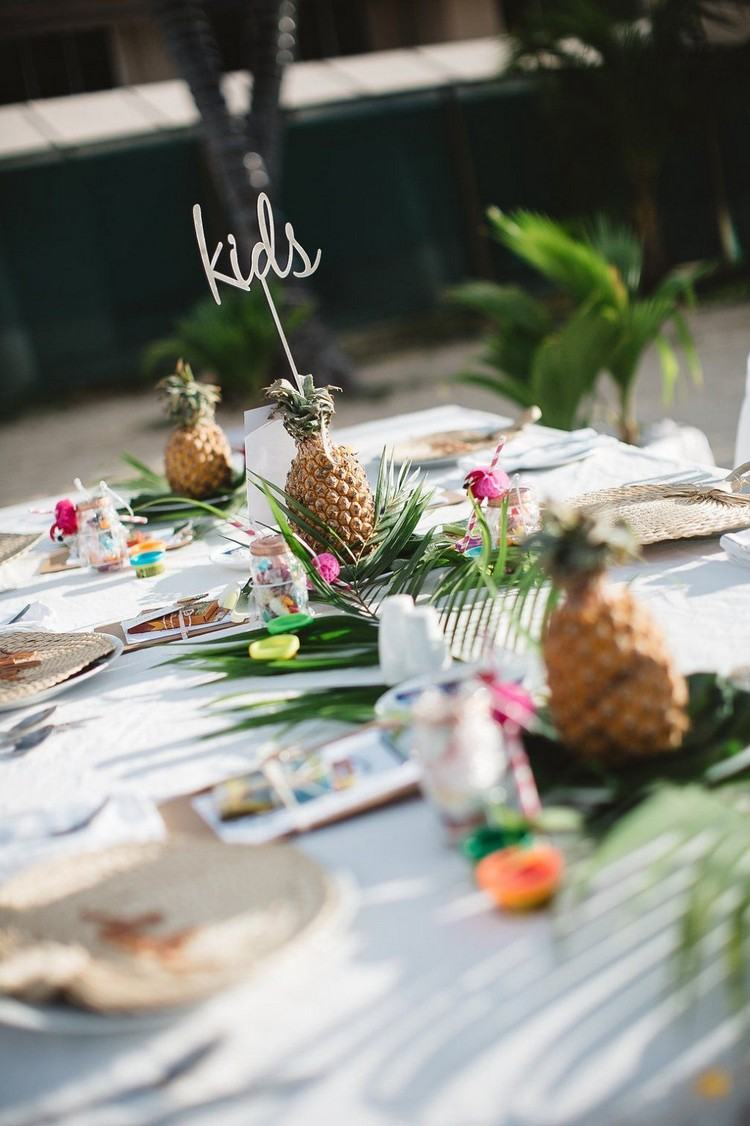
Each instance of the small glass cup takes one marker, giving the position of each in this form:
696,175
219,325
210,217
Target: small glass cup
279,579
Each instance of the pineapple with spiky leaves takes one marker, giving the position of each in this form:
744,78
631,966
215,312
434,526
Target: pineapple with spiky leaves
197,458
328,479
614,691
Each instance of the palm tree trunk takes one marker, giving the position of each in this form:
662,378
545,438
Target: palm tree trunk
731,250
190,41
245,161
647,222
271,32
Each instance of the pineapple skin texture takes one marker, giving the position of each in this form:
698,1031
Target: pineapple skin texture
197,460
336,489
615,693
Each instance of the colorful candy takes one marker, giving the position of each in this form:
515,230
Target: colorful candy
279,579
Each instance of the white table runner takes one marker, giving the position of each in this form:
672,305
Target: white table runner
422,1006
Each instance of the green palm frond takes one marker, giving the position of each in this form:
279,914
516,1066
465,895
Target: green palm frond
348,705
713,829
332,642
571,263
552,353
503,305
640,324
516,390
146,479
618,244
567,364
235,342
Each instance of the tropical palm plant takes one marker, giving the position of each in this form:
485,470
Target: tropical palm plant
236,343
551,350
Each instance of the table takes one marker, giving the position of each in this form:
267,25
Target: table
413,1003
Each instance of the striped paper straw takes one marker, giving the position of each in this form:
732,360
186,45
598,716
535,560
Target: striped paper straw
528,795
464,543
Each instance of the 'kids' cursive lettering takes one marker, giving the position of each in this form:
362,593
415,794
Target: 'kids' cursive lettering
263,261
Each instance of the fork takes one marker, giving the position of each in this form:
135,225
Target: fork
681,477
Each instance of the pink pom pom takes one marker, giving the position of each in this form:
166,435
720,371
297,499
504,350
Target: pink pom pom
487,484
66,519
327,566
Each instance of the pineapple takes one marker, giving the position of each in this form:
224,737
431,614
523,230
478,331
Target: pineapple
329,480
615,693
197,459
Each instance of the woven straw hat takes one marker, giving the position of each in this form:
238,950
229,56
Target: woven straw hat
658,513
138,927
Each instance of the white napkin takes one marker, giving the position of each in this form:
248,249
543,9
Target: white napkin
737,546
38,616
35,834
541,449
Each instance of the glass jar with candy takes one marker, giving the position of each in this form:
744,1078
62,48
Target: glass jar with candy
279,579
522,514
102,539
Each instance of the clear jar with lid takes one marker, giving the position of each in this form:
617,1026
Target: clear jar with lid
461,753
523,514
279,579
102,539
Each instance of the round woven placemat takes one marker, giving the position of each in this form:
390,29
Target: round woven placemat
139,927
32,660
658,513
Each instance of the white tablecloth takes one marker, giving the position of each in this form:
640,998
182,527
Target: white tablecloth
415,1003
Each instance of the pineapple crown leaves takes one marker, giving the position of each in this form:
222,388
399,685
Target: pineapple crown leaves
577,544
304,412
187,401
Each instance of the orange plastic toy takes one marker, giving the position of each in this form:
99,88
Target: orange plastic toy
520,878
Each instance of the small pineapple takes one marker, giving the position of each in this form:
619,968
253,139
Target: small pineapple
197,458
329,480
615,692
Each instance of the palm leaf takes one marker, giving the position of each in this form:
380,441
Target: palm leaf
640,324
568,362
335,642
619,246
504,305
499,384
353,705
574,265
716,827
147,478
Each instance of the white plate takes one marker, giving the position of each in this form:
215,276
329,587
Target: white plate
414,450
65,1020
234,557
397,702
78,678
539,458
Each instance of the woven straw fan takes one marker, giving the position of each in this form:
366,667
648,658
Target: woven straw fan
141,926
661,512
33,660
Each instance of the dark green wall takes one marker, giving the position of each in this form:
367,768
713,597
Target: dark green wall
98,256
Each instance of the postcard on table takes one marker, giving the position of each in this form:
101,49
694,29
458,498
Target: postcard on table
298,789
181,619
